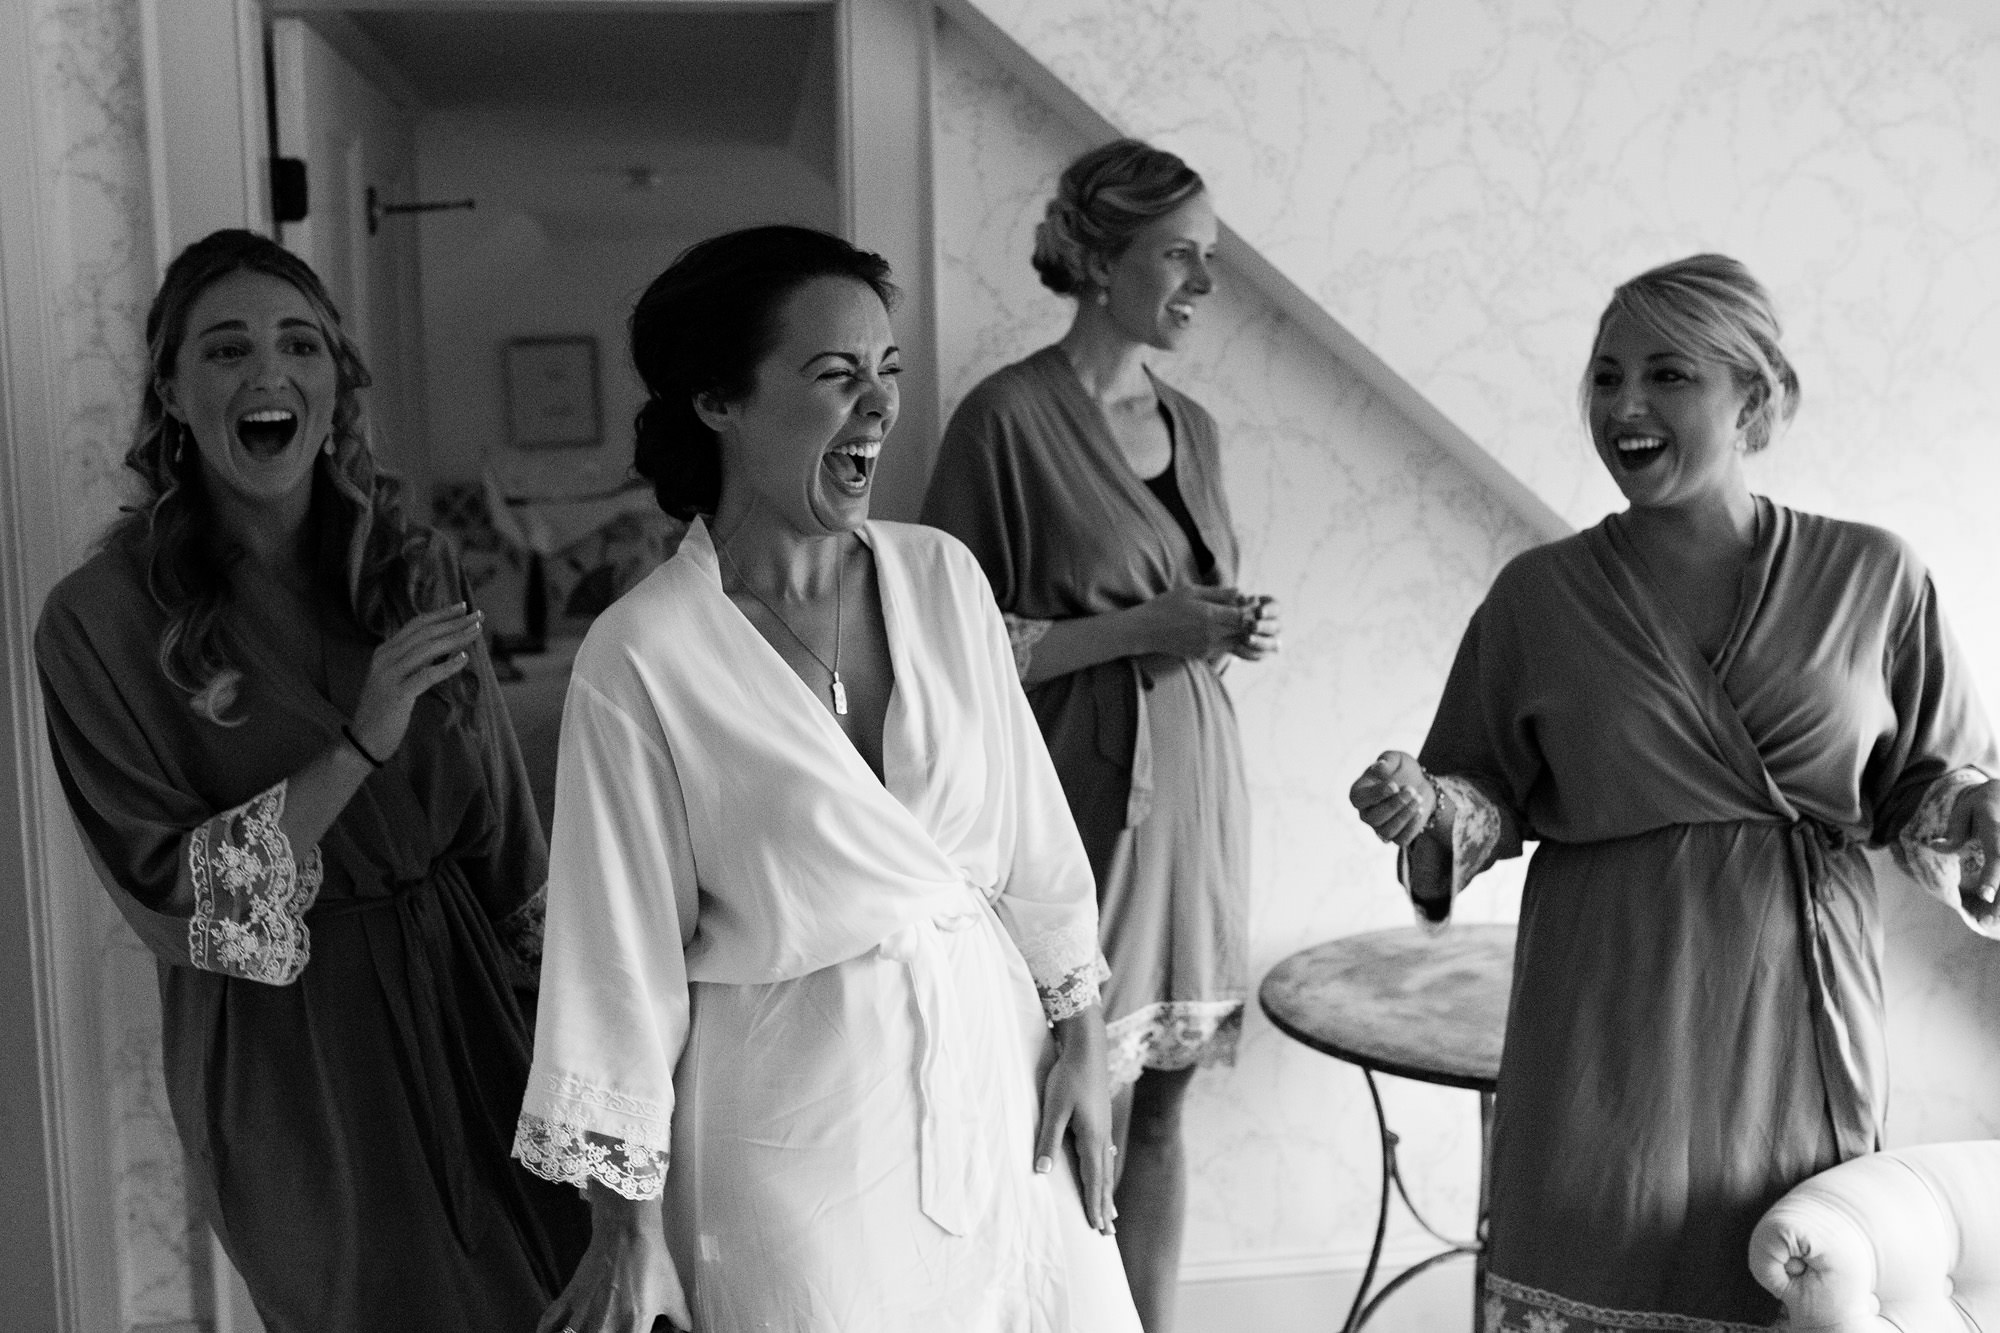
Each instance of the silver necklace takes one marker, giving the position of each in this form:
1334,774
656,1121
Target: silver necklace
839,689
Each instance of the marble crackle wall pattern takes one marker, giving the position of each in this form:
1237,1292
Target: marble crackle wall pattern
1462,183
1378,545
96,182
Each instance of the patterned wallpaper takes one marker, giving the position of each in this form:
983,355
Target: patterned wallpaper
98,233
1462,183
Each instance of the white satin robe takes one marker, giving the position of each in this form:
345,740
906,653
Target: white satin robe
804,1002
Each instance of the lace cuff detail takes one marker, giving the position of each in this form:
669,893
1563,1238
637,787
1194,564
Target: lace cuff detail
1022,636
573,1131
251,894
1923,851
1476,829
1076,992
520,933
1068,968
564,1150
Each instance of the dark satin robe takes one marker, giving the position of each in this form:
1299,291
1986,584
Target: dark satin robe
1030,478
347,1133
1697,1010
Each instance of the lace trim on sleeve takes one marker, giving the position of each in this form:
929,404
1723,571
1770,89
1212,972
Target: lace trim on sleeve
1922,850
1022,636
520,931
1476,830
564,1150
251,894
1076,992
1068,968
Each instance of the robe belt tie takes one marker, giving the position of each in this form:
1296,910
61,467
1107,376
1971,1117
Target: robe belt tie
1849,1103
953,1184
399,888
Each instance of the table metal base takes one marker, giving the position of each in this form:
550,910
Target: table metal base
1365,1305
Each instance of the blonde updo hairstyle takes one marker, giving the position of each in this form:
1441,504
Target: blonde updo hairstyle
1709,307
1104,199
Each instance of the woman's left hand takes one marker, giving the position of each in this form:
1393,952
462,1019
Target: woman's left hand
1975,820
1077,1096
1260,629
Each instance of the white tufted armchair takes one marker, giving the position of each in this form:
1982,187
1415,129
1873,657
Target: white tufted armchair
1896,1242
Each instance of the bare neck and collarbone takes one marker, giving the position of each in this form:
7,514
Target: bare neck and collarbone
818,604
1671,428
1111,367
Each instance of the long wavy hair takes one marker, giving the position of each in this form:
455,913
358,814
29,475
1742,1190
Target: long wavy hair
369,556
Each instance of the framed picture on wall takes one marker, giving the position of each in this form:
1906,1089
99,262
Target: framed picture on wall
552,392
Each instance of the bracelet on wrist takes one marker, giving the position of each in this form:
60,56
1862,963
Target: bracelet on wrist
1437,803
354,742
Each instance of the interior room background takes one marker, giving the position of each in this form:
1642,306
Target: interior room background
1427,205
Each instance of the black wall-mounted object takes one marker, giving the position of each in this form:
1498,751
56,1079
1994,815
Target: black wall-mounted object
288,189
377,210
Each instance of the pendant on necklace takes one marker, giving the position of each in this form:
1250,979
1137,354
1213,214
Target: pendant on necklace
839,696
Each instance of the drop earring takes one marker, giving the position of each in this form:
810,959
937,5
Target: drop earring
1103,296
327,448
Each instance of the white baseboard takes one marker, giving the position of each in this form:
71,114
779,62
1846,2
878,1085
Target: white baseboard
1311,1294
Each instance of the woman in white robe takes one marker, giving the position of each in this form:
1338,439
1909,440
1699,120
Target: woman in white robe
821,966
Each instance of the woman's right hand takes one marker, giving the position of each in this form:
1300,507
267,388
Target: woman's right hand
432,647
1193,621
1394,797
626,1279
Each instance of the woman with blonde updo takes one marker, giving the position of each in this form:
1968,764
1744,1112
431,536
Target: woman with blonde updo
1091,492
1704,707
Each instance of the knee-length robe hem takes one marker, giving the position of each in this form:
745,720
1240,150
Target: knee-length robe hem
1696,1021
1029,477
806,996
342,1044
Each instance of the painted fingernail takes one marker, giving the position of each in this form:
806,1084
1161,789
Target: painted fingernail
1043,1166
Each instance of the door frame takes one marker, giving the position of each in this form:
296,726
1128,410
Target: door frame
58,1255
883,52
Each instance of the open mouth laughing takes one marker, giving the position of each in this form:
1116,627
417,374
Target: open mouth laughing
851,465
266,432
1638,451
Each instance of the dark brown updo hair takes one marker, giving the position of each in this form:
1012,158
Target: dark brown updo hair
1710,307
702,327
1104,199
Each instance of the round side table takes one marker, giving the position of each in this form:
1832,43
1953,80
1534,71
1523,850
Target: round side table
1427,1007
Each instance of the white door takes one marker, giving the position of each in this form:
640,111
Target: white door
356,137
